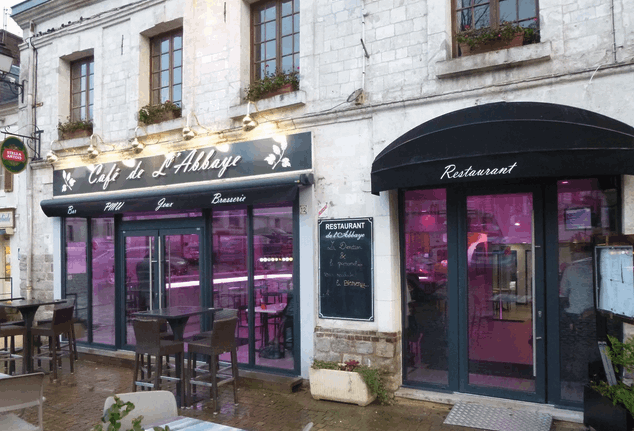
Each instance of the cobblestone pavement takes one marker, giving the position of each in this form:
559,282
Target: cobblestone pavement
75,403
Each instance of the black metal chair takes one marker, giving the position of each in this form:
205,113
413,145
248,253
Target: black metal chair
149,342
221,340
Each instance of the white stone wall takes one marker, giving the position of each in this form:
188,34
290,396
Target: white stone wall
410,77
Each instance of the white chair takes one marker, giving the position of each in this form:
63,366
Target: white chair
20,392
154,406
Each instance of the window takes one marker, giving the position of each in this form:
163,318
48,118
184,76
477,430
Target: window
167,68
82,89
474,14
275,37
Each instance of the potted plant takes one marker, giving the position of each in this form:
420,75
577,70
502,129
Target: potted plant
152,114
273,84
118,411
74,129
347,382
507,35
612,407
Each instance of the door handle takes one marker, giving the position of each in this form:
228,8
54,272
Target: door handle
538,338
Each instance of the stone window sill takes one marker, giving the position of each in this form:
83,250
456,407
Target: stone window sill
164,126
494,60
282,101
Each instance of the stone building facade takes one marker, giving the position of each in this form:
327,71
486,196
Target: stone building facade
369,71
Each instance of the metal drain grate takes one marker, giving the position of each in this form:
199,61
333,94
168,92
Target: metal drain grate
497,419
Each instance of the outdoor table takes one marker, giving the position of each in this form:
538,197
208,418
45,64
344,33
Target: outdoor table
177,318
182,423
28,308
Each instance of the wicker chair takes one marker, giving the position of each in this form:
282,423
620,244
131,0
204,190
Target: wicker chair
149,342
222,340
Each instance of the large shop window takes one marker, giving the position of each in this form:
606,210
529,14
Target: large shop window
77,282
94,298
426,267
269,286
587,212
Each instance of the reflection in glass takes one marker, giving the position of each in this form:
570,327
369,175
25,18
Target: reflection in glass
230,282
77,283
425,319
586,213
500,297
273,255
103,287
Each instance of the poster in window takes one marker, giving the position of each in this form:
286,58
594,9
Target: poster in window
614,281
578,218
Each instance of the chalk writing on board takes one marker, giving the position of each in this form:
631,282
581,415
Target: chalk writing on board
346,269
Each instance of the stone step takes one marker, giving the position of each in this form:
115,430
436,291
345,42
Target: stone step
271,382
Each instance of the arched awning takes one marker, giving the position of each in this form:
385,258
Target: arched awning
505,140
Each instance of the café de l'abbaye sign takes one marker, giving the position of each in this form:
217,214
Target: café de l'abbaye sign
225,161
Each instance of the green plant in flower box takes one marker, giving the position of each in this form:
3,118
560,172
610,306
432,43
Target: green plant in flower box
151,114
505,32
72,126
272,82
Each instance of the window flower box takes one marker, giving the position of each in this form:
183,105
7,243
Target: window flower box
152,114
74,129
272,85
494,45
507,35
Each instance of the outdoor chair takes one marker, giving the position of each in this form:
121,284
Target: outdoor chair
72,338
149,342
8,355
225,313
154,406
61,324
20,392
222,340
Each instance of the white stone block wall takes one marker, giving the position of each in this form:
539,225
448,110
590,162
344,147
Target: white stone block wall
408,43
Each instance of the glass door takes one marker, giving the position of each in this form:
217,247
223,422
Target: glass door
504,325
162,269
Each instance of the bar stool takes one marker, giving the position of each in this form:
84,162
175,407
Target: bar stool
61,324
72,338
8,355
222,340
149,342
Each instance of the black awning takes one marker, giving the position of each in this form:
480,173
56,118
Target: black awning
505,140
210,195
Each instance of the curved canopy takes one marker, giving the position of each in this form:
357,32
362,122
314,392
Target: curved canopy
503,141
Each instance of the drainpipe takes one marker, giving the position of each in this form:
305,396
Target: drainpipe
363,42
32,118
613,31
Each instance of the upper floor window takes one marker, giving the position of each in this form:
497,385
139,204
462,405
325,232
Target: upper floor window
82,89
275,37
473,14
166,70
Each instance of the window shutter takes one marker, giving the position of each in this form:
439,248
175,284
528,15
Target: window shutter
8,181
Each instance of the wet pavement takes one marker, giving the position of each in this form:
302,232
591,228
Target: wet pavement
75,402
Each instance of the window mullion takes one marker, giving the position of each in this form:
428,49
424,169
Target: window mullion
278,42
494,7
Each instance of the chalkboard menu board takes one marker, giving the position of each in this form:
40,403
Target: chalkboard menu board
346,269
